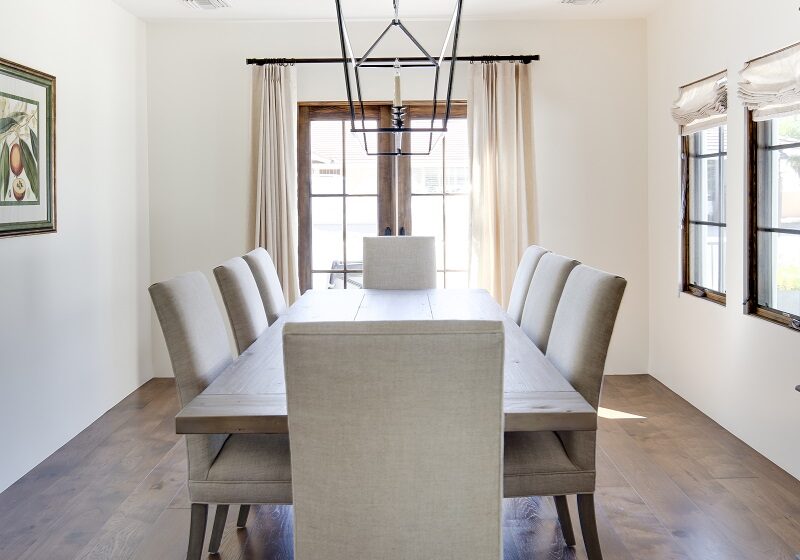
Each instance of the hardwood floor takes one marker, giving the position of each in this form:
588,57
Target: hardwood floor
671,485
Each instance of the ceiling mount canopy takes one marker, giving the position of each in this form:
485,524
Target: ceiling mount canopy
401,125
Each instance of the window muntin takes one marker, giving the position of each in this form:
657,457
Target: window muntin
705,232
776,265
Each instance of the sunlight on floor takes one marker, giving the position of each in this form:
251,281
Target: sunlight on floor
617,414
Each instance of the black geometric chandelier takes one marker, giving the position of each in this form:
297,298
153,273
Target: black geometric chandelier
401,124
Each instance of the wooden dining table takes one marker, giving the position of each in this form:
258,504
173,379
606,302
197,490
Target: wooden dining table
250,395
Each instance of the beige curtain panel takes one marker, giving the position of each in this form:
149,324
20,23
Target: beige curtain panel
275,127
500,120
702,104
770,85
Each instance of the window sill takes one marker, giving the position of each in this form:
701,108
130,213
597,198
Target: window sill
786,320
705,294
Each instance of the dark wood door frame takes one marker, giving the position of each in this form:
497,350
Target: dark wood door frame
394,173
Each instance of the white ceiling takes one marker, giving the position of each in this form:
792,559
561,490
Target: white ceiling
381,9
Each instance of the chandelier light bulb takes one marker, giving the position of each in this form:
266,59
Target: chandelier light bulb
398,98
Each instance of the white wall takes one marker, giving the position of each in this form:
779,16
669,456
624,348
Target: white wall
590,141
75,330
738,369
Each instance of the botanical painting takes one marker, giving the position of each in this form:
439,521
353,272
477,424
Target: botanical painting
27,150
19,150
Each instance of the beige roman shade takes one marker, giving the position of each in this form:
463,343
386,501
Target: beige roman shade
770,85
702,104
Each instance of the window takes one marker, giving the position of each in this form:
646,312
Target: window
345,194
704,229
343,202
439,196
774,224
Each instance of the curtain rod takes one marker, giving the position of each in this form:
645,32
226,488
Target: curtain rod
524,58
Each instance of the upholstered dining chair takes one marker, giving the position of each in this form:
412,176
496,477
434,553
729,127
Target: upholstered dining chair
242,302
383,446
557,464
269,285
547,283
399,263
522,281
223,469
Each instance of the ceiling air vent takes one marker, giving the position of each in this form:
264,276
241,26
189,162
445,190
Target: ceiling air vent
581,2
207,4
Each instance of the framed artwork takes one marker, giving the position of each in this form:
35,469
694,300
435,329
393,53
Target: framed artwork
27,150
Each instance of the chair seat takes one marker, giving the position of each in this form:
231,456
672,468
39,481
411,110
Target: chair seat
536,464
249,469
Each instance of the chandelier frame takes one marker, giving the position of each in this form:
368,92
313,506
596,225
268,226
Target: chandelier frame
353,65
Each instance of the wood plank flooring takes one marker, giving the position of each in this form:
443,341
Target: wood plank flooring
671,485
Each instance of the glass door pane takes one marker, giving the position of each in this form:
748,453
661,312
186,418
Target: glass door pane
343,203
440,201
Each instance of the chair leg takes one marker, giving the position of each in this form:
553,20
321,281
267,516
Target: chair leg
244,511
589,526
220,516
197,531
564,520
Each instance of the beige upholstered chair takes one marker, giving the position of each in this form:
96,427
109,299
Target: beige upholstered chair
247,314
394,456
556,464
269,285
242,302
547,283
223,469
522,281
399,263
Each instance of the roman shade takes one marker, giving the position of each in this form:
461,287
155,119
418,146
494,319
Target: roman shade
702,104
770,85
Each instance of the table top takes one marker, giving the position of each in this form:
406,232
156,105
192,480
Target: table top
250,395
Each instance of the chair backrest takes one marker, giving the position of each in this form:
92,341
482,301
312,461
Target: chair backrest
547,283
269,285
194,331
399,263
395,424
242,302
582,328
522,281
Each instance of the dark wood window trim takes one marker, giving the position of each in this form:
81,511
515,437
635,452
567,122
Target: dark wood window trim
758,144
387,190
687,286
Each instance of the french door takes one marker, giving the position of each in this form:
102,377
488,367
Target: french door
345,194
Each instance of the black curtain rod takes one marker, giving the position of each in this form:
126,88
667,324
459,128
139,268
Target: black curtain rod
524,58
